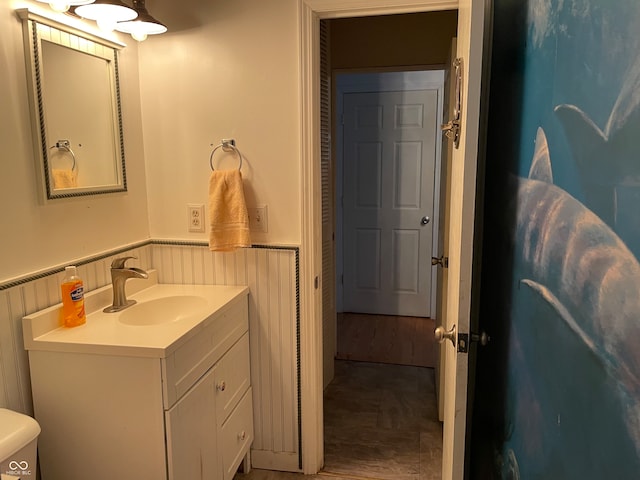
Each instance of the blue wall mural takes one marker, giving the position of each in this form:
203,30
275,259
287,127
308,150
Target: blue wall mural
558,392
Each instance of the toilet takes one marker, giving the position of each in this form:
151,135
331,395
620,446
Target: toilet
18,446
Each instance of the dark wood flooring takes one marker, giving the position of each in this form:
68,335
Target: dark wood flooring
386,339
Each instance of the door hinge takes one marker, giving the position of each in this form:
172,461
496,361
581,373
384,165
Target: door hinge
442,261
452,128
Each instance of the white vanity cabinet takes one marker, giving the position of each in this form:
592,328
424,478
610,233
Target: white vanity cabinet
214,415
183,412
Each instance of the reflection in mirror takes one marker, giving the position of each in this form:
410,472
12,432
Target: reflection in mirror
75,108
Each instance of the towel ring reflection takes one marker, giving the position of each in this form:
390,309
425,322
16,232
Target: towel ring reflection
227,146
65,145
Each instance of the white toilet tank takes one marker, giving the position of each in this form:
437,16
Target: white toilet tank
18,445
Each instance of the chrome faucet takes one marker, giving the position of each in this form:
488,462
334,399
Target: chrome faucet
119,275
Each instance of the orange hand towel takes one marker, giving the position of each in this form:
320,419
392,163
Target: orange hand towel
64,178
229,220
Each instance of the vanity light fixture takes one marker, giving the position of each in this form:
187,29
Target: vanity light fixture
107,13
144,24
64,5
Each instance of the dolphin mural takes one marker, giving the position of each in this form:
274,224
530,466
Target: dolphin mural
577,264
605,156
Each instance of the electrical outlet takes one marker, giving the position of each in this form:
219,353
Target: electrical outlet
258,218
195,217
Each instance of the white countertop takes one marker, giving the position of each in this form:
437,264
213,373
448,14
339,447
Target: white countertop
104,334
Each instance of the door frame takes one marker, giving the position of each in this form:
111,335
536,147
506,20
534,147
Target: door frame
386,81
310,14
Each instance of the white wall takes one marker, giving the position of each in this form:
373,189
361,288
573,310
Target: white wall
225,69
37,235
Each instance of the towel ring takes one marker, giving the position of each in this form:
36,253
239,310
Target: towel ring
65,145
227,146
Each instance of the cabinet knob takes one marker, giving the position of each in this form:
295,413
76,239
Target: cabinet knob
221,386
242,435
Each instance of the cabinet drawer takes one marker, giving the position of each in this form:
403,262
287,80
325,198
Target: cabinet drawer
237,436
190,361
232,378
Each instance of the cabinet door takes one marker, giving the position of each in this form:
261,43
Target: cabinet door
191,433
232,378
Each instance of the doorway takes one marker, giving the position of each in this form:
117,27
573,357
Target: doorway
378,411
386,44
472,42
387,158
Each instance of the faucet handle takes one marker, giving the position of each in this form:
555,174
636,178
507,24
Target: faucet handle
119,262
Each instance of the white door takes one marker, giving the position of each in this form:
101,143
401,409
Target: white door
442,249
389,153
461,231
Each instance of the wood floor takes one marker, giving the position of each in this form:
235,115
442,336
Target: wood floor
386,339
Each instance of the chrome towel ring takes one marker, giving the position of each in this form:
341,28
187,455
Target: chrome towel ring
228,145
65,145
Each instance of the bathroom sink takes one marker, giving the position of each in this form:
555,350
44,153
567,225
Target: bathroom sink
164,317
161,310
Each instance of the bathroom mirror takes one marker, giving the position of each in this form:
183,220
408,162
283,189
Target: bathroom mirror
75,109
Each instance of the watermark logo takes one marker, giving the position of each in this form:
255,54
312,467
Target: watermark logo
18,468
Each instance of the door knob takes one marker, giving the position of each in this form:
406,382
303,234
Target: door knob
425,220
441,335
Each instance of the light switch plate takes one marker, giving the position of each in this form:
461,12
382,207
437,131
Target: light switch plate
258,219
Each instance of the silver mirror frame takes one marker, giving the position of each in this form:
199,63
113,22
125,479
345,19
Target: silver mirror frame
41,143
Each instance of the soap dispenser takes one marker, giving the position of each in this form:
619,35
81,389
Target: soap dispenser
72,289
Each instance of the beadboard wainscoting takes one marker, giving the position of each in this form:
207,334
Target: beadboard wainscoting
272,275
29,294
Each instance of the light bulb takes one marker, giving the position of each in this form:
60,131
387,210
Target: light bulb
143,25
62,6
106,14
139,36
59,6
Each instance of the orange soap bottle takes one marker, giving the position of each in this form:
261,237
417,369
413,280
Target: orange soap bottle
72,298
